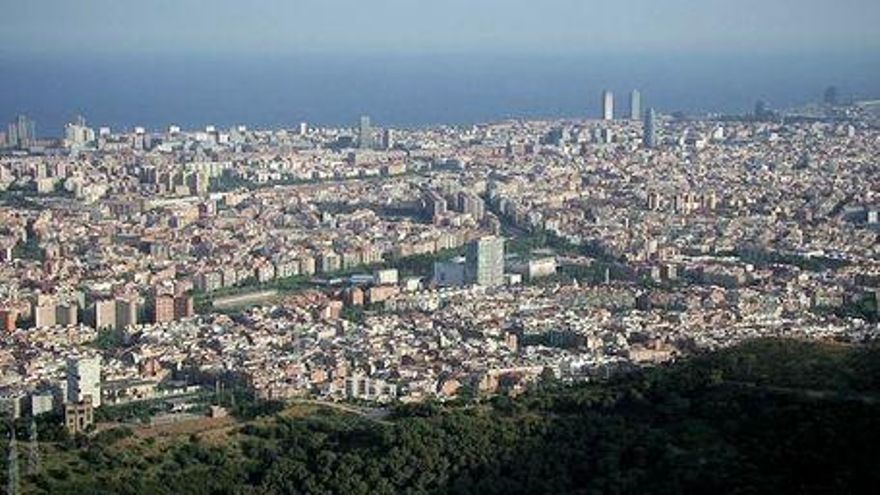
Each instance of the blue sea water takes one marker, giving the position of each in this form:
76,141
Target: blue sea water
404,90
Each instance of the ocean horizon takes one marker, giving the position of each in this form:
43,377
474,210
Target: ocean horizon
275,91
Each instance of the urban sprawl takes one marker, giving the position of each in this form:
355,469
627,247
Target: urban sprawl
376,265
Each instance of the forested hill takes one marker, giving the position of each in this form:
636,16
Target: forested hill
765,417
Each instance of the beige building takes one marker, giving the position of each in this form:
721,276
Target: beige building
79,416
105,314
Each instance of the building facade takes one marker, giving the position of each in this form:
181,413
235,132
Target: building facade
484,263
607,105
635,105
84,380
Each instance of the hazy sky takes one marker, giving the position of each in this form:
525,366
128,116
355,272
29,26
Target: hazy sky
544,26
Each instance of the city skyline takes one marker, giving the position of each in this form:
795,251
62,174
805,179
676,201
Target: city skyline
175,62
606,111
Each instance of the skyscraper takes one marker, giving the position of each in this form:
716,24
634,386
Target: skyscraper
650,130
365,134
126,312
635,105
484,264
22,132
607,105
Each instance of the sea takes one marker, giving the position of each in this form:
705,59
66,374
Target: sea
406,90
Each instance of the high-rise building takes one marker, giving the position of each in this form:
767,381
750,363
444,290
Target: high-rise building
163,309
484,263
66,314
22,132
365,133
126,312
197,183
183,307
650,129
435,204
635,105
105,314
45,315
330,262
607,105
84,380
471,204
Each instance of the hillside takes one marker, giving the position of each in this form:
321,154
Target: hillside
766,416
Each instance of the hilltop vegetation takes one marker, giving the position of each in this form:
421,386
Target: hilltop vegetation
767,416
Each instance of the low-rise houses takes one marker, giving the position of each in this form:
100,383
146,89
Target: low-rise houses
384,275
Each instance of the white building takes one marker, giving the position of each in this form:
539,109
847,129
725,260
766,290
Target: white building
607,105
386,277
543,267
77,134
84,380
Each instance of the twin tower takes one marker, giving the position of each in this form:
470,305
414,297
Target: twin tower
635,105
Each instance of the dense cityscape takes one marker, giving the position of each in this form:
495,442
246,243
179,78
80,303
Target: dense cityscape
375,266
470,247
